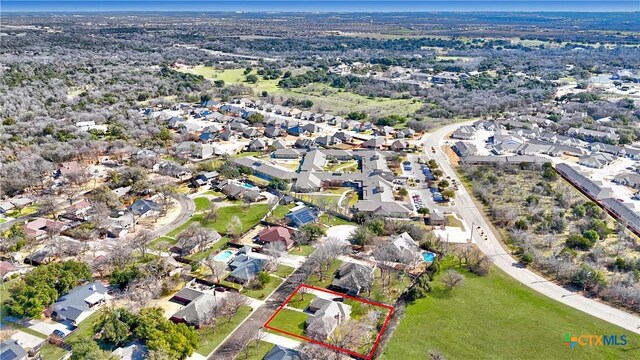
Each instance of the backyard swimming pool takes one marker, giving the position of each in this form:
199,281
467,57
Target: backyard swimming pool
428,256
223,256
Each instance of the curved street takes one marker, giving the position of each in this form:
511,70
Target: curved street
502,259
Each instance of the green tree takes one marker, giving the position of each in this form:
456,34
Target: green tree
255,118
218,83
423,211
448,194
376,226
592,236
421,288
313,231
84,348
251,79
361,236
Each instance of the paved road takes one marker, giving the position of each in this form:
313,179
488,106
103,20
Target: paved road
230,348
187,208
501,258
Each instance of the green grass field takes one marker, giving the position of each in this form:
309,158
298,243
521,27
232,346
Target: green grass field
300,302
248,217
283,271
282,210
202,203
210,338
304,250
263,293
289,320
498,318
322,95
255,352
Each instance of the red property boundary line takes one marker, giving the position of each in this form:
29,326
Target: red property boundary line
332,347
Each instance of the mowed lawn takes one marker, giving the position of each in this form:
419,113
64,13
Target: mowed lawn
498,318
291,321
248,217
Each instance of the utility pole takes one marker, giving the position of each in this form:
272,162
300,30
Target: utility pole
471,238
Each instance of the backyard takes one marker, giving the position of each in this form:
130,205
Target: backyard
527,325
249,217
210,337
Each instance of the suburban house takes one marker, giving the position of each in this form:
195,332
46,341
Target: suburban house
279,352
79,210
143,207
68,168
245,269
198,307
204,178
464,133
436,219
353,279
406,249
276,234
596,160
326,316
593,135
302,216
79,303
11,350
134,351
40,227
6,268
259,144
464,149
628,179
376,142
190,245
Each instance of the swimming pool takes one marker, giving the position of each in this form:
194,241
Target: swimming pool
223,256
247,186
428,256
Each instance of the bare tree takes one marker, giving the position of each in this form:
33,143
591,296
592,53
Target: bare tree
234,227
48,206
140,242
275,250
211,214
233,302
217,268
436,355
325,253
452,279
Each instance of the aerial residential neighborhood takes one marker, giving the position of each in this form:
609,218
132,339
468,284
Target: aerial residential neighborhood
255,182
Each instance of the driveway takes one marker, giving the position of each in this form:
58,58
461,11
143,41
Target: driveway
281,340
341,232
46,327
27,341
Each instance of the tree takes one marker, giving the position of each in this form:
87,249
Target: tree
361,236
449,194
443,184
452,279
313,231
141,241
211,214
251,79
217,268
232,303
579,242
218,83
423,211
275,251
325,253
255,118
436,355
421,288
234,227
84,348
113,325
300,238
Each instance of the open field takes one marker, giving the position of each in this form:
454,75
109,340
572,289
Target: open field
497,317
248,218
323,96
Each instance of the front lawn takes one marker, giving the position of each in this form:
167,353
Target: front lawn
301,302
284,271
314,280
162,243
453,221
85,329
304,250
499,318
255,353
202,203
262,294
289,320
210,338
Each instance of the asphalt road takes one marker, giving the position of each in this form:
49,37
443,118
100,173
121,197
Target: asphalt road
501,258
187,208
230,348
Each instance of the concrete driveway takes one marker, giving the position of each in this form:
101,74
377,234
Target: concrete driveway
46,327
27,341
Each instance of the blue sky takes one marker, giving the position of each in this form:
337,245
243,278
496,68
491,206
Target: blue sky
315,5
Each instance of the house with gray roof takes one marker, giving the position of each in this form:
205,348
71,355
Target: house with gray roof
628,178
326,316
376,142
279,352
259,144
143,207
405,247
245,269
591,188
464,133
11,350
264,170
593,135
198,310
343,136
79,303
596,160
353,279
463,149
